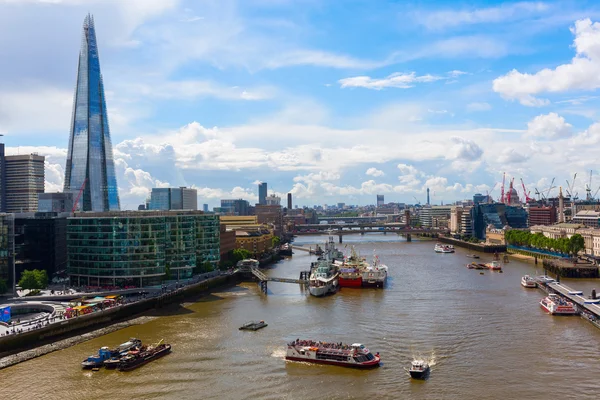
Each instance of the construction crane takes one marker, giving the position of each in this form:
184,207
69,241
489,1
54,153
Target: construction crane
537,192
526,193
571,186
595,193
550,188
502,190
78,196
417,200
588,188
489,192
510,188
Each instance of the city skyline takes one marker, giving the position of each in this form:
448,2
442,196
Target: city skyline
90,169
415,96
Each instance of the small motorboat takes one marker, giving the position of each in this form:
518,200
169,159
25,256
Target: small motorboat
253,325
472,256
419,369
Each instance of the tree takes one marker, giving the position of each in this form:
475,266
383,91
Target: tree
3,286
576,244
35,279
276,241
240,254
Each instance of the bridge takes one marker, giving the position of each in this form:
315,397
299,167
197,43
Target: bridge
263,279
353,219
340,230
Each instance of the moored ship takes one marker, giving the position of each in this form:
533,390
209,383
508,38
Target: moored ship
556,305
355,355
528,282
375,275
350,277
151,353
323,279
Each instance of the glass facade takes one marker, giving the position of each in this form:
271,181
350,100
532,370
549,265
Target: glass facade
137,248
7,248
498,215
90,161
181,198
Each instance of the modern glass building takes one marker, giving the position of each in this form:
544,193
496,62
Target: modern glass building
181,198
139,248
262,193
498,215
90,162
7,249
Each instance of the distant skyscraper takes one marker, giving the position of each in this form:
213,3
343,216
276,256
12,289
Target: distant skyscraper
380,200
289,198
427,196
90,156
2,179
173,199
262,193
24,182
205,207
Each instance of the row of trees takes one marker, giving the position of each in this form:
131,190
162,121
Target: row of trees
571,246
36,279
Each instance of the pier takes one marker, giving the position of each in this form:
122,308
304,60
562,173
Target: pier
263,279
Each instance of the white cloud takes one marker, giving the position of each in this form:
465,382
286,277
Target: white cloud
478,106
396,80
439,20
192,89
464,149
549,126
582,73
375,172
511,156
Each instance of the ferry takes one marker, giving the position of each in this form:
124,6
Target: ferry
494,266
440,248
556,305
419,369
528,282
323,279
151,353
375,275
355,355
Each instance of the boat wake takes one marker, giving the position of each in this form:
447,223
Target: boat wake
278,353
429,358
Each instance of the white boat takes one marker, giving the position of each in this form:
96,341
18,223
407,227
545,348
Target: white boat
494,266
375,275
441,248
323,279
355,355
419,369
556,305
528,282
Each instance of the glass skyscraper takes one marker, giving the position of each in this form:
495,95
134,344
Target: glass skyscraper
90,156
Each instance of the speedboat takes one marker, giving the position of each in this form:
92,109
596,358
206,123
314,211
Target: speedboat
528,282
419,369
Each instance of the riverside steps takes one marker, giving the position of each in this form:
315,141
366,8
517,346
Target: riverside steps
588,307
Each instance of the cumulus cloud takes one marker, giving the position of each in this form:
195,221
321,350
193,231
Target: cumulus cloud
375,172
582,73
511,156
549,126
396,80
464,149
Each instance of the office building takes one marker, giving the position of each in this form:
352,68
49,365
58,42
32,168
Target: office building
262,193
466,223
7,249
55,202
139,248
289,201
498,215
273,200
380,200
271,215
90,166
235,207
41,242
435,216
205,207
587,218
181,198
479,198
542,215
455,219
24,182
2,179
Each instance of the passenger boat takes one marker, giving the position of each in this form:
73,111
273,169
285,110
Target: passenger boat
97,360
556,305
375,275
440,248
355,355
419,369
253,325
323,279
494,266
133,361
528,282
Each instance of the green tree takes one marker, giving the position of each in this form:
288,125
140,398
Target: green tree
576,244
239,255
41,276
3,286
32,280
276,241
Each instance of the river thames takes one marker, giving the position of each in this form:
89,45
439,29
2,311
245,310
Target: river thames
485,334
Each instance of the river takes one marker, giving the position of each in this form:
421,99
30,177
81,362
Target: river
486,336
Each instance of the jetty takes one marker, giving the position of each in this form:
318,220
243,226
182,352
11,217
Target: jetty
263,279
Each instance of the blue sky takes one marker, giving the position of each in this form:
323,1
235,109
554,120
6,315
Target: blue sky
335,101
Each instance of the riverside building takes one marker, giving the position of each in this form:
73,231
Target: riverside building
24,182
139,248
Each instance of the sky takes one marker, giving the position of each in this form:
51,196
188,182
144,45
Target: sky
333,101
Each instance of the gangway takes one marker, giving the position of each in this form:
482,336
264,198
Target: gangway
263,279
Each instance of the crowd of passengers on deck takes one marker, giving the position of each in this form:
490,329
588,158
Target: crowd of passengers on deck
326,345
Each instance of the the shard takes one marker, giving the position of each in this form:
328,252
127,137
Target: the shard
90,169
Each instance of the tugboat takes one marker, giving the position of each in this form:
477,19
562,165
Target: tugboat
419,369
96,361
323,279
253,325
355,355
133,361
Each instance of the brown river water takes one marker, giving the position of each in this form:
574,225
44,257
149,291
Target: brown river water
485,335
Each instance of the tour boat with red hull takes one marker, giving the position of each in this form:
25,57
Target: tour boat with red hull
354,356
350,277
556,305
